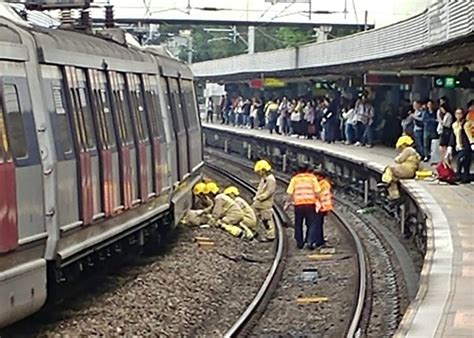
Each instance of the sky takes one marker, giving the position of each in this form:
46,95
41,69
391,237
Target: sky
380,12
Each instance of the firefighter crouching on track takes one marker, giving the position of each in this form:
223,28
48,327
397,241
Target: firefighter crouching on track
263,200
202,201
226,213
324,205
303,192
406,165
249,222
202,206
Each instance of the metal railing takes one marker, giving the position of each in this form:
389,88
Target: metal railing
441,22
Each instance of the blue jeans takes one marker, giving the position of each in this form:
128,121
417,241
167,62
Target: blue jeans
350,132
419,141
368,135
307,214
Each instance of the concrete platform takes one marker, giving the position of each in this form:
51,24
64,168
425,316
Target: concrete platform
444,305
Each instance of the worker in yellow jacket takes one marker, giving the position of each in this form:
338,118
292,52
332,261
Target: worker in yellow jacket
226,213
263,200
201,200
405,166
324,205
249,222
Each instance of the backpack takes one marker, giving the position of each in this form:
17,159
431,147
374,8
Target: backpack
445,173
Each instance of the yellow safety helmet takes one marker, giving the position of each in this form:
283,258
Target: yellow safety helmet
262,165
211,187
404,140
232,191
199,188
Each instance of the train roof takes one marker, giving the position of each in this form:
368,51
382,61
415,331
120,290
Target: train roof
75,48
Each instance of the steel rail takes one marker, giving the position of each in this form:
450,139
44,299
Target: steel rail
244,322
354,327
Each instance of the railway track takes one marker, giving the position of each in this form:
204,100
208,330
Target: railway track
254,311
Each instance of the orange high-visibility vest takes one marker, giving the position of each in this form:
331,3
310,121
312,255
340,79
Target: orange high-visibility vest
325,198
305,189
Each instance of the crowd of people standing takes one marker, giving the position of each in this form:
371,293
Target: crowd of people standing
318,118
439,133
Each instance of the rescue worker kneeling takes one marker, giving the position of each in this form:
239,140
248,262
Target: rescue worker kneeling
226,213
202,200
202,206
249,222
406,165
263,200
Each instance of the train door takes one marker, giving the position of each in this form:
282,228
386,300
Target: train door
127,152
22,174
157,132
188,100
107,143
142,137
173,163
179,128
86,154
59,113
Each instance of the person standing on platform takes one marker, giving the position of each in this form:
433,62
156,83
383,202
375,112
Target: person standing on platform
271,114
324,205
329,121
418,128
222,109
263,200
364,113
303,192
462,142
210,110
430,124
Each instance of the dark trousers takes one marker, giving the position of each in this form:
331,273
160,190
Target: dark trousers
306,214
359,132
464,165
320,228
419,142
210,116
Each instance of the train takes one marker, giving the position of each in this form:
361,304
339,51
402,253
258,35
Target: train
100,145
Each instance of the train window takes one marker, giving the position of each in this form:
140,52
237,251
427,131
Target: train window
138,111
87,117
155,113
124,114
4,148
189,101
177,105
100,115
62,120
109,124
16,130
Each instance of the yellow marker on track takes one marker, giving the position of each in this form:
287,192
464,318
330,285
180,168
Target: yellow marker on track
311,300
318,257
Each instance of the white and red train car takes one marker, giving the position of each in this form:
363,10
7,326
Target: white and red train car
100,144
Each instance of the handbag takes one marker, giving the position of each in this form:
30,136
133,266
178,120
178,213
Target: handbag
445,172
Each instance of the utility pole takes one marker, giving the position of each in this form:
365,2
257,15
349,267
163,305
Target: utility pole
251,40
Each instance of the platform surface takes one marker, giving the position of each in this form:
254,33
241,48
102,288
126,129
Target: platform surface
446,308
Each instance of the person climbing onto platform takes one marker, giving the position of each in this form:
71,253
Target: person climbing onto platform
405,166
263,200
324,205
226,213
303,192
249,222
